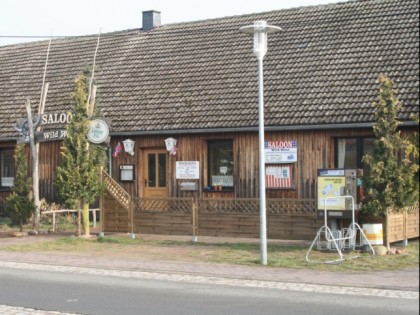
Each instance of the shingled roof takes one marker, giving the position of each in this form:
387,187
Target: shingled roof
321,70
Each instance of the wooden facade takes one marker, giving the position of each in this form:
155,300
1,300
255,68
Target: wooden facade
316,150
199,85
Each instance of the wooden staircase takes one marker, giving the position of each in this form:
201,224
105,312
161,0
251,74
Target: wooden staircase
117,208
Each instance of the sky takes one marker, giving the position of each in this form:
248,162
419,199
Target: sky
25,20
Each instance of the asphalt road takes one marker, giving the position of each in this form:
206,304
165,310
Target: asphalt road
94,294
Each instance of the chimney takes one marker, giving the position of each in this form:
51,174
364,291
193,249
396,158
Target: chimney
151,19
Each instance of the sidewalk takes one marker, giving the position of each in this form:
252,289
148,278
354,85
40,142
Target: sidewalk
406,280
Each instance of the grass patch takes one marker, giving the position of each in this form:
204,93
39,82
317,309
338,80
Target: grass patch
64,222
279,256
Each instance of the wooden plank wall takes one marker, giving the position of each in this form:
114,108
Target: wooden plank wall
279,226
166,223
398,226
395,229
315,151
49,160
291,227
402,226
115,217
413,224
229,225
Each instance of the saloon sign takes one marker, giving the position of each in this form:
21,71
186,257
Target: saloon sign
52,119
98,132
277,152
55,118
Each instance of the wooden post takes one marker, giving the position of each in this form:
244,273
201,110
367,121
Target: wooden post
101,206
131,209
53,223
405,222
387,243
194,211
34,158
94,218
35,147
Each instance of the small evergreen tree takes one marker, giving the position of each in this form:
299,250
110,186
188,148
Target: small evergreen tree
390,179
19,206
77,178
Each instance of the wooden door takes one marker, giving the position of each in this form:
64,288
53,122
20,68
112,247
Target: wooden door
155,181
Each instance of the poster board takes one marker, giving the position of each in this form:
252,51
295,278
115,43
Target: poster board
187,170
278,152
127,172
279,176
331,184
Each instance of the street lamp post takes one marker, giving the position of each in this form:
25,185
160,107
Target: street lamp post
260,29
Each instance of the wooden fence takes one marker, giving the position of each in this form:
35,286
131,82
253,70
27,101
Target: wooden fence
290,219
397,225
293,219
56,213
286,218
403,225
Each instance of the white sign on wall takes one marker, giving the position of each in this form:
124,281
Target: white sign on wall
277,152
187,170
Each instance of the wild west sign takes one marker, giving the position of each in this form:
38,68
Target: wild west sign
277,152
50,135
55,118
98,134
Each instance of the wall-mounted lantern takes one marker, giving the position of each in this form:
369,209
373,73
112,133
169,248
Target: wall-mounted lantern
171,145
129,146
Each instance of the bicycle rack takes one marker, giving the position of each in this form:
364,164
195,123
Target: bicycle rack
339,240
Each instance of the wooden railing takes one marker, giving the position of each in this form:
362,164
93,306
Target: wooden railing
120,195
226,206
286,218
55,213
116,191
151,204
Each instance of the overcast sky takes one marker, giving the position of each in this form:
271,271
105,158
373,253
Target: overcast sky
20,19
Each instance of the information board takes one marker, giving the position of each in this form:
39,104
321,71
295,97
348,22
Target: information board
187,170
277,152
331,187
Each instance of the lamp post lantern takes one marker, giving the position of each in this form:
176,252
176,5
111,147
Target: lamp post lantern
260,29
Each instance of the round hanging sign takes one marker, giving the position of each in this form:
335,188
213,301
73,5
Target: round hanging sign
98,132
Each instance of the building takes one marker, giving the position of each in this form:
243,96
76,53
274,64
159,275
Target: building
196,82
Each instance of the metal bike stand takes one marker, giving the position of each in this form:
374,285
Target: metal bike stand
338,242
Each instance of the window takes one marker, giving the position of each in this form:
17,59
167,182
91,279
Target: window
350,151
156,166
7,167
221,163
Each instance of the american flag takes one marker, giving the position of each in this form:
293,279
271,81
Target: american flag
118,150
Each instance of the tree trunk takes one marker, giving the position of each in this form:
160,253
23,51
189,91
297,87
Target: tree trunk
21,224
35,165
85,213
79,225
